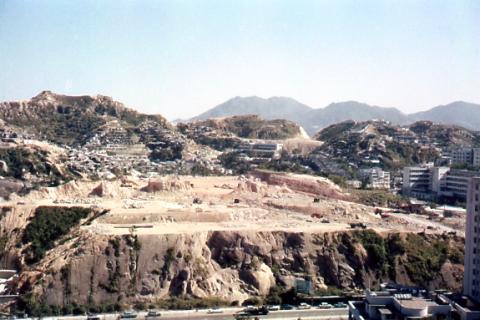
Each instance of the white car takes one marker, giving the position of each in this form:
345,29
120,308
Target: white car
325,305
304,306
215,310
152,314
273,308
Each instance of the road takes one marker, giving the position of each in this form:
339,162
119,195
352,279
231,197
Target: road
228,314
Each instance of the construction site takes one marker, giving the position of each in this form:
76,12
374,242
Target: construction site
186,204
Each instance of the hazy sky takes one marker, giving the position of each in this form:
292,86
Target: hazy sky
179,58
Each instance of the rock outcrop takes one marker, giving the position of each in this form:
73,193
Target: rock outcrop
230,265
166,184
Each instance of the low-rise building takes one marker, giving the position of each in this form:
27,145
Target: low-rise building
261,150
384,305
430,182
417,181
376,178
467,156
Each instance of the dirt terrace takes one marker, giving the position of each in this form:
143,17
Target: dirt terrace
176,205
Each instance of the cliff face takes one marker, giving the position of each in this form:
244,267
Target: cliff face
101,269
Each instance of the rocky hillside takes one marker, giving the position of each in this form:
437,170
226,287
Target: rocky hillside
247,126
223,133
28,165
67,266
69,120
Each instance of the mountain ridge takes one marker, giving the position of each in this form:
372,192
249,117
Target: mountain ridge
314,119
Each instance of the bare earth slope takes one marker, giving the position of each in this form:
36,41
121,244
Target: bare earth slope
225,237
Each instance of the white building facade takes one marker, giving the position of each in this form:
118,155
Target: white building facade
471,283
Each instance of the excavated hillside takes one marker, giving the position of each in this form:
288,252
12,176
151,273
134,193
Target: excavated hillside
231,238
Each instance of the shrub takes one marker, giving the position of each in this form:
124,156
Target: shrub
424,258
48,225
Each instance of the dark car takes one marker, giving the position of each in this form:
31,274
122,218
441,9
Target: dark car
287,307
242,316
263,310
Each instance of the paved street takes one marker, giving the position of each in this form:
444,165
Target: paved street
228,313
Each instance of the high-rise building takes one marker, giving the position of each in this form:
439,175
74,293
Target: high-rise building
471,283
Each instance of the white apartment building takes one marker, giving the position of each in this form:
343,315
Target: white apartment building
456,183
417,181
469,156
471,282
429,182
376,178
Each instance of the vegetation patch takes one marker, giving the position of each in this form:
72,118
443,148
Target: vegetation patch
48,225
380,198
424,258
375,246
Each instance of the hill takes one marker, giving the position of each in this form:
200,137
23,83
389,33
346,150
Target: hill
69,120
271,108
458,113
222,133
350,110
379,143
461,113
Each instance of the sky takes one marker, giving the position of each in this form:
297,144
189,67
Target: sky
180,58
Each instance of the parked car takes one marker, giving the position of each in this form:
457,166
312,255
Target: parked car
274,308
287,307
242,316
304,306
325,305
92,316
248,308
130,314
152,314
340,305
263,310
215,310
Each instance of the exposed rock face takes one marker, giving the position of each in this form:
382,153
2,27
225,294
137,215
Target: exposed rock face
252,185
168,184
317,186
226,264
